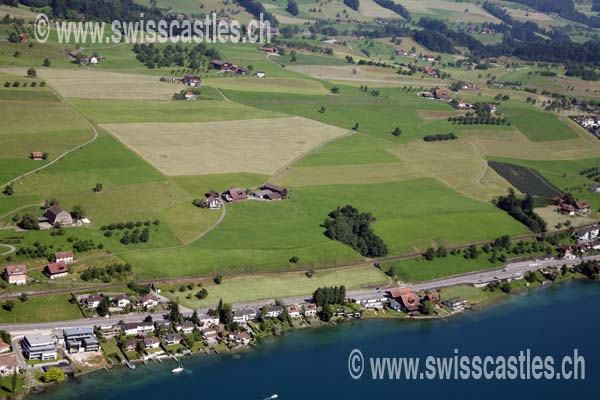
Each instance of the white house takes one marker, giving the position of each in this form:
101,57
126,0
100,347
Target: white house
122,300
186,327
244,315
310,309
294,311
208,320
260,74
64,257
273,311
92,301
151,342
242,338
148,301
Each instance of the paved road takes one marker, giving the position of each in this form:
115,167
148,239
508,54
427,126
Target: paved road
511,270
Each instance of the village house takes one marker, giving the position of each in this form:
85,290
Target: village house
567,252
270,50
56,215
4,347
151,342
227,67
64,257
92,301
190,96
130,345
395,305
283,192
173,338
442,94
211,200
16,274
39,347
582,207
79,340
428,57
294,311
208,320
186,327
409,300
8,364
272,311
240,337
376,302
122,300
37,155
491,107
310,309
260,74
431,71
456,303
235,195
244,315
56,270
163,324
210,335
432,296
138,328
192,81
148,301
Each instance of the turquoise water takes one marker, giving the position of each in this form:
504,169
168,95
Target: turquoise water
314,364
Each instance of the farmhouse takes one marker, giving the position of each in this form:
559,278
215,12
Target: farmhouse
192,80
582,207
37,155
16,274
190,96
235,195
56,270
442,94
64,257
428,57
56,215
270,50
211,200
283,192
491,107
227,67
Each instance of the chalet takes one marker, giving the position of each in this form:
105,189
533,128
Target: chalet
4,347
151,342
23,37
8,364
431,71
428,57
92,301
582,207
191,80
244,315
283,192
463,105
64,257
235,195
310,309
456,303
16,274
294,311
171,79
409,300
223,66
190,96
37,155
427,95
122,300
270,50
130,345
148,301
272,311
442,94
260,74
173,338
186,327
211,200
56,215
567,209
491,107
56,270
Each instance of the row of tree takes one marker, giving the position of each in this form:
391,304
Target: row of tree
329,295
521,209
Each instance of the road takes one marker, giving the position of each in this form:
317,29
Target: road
11,249
511,270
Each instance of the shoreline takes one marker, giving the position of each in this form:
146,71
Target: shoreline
496,300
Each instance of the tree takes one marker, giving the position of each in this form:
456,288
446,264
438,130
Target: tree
46,62
293,56
218,279
29,222
78,212
24,297
174,314
98,188
8,190
226,314
292,7
428,308
8,305
54,374
335,90
202,293
195,318
397,132
14,382
505,287
31,73
355,127
103,307
294,260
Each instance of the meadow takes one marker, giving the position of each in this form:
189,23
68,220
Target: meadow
537,125
41,309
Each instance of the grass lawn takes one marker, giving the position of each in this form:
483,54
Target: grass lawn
6,385
236,290
41,309
110,348
472,294
419,269
537,125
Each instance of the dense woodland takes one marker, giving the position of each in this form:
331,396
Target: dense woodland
175,55
521,209
353,228
395,7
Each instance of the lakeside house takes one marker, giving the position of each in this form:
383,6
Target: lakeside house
374,302
151,342
16,274
210,335
64,257
79,340
173,338
130,345
137,328
235,195
294,311
244,315
408,299
240,337
456,303
272,311
432,296
186,327
39,347
56,270
208,320
8,364
57,216
310,309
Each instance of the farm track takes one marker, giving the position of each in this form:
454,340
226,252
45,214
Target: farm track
366,262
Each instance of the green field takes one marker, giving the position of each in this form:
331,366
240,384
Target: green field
41,309
537,125
256,287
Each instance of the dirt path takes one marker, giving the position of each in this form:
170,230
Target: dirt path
11,249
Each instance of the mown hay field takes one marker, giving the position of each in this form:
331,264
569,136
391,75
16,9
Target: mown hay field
259,146
279,85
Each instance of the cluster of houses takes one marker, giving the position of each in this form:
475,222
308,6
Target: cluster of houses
267,192
406,300
432,72
118,302
224,66
91,60
16,274
405,53
571,208
589,122
188,80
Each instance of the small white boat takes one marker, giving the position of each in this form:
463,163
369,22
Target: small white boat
178,369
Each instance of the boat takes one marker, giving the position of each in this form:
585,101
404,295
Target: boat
273,396
179,367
